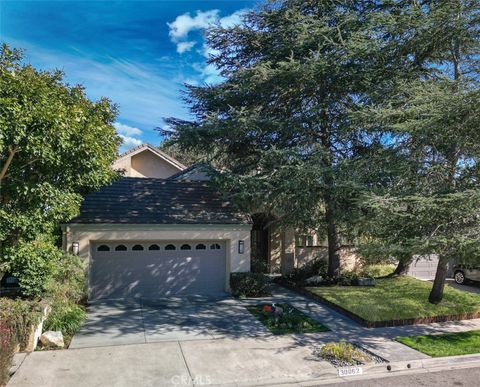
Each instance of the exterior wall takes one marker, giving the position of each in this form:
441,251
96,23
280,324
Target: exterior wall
348,259
123,164
275,250
147,164
231,234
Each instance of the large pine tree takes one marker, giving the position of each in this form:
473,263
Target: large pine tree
280,123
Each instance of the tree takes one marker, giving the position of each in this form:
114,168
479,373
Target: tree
185,157
281,121
434,121
55,145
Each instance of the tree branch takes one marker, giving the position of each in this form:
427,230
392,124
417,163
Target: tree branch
11,153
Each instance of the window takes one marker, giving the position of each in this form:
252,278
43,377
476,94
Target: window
309,240
121,248
200,246
170,247
137,248
185,247
103,248
154,247
215,246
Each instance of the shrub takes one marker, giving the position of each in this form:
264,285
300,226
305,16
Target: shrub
249,284
316,267
348,278
376,271
66,292
16,320
33,264
259,266
66,318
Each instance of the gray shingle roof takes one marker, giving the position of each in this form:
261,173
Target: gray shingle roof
133,200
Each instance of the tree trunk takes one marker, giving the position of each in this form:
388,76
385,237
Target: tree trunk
402,267
436,295
333,257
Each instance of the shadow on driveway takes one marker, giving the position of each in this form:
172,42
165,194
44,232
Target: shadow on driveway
118,322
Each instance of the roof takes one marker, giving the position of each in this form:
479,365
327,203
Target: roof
156,151
186,174
133,200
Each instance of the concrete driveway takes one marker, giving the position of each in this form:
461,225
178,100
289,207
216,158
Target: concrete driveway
172,319
471,287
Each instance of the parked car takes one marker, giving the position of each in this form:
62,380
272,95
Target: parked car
462,273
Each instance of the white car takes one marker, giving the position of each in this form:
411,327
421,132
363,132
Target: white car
463,273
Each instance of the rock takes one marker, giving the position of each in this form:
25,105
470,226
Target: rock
52,339
315,280
366,282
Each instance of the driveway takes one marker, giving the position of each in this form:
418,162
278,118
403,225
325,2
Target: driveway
469,287
170,319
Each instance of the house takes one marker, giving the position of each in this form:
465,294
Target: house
162,230
149,236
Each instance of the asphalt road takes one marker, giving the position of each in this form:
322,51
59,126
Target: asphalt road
460,377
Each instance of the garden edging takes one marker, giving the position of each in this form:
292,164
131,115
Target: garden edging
378,324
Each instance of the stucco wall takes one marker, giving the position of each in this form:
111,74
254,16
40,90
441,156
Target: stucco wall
348,259
147,164
231,234
123,164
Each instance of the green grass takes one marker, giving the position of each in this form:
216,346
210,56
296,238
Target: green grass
449,344
398,298
293,321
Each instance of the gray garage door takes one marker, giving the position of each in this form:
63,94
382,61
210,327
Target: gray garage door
424,268
156,269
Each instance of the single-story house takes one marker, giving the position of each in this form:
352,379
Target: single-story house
162,230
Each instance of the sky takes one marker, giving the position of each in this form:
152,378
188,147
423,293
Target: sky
139,54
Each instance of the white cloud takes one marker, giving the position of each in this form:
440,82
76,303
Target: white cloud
185,46
233,19
127,130
129,142
185,23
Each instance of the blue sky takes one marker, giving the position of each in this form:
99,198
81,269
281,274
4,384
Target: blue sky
137,53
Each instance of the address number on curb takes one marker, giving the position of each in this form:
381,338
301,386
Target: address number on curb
350,371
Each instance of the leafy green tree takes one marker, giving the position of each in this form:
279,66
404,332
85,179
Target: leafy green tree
280,123
55,145
433,121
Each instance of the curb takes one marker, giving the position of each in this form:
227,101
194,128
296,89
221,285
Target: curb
378,371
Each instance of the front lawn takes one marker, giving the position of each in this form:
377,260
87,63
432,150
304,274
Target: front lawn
449,344
291,321
398,298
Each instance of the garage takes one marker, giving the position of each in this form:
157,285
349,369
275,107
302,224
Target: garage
424,268
155,269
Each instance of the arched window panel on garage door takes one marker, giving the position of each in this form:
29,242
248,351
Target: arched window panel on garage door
137,248
103,248
200,246
185,247
170,247
121,248
215,246
154,247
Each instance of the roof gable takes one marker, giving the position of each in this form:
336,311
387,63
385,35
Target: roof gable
157,152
